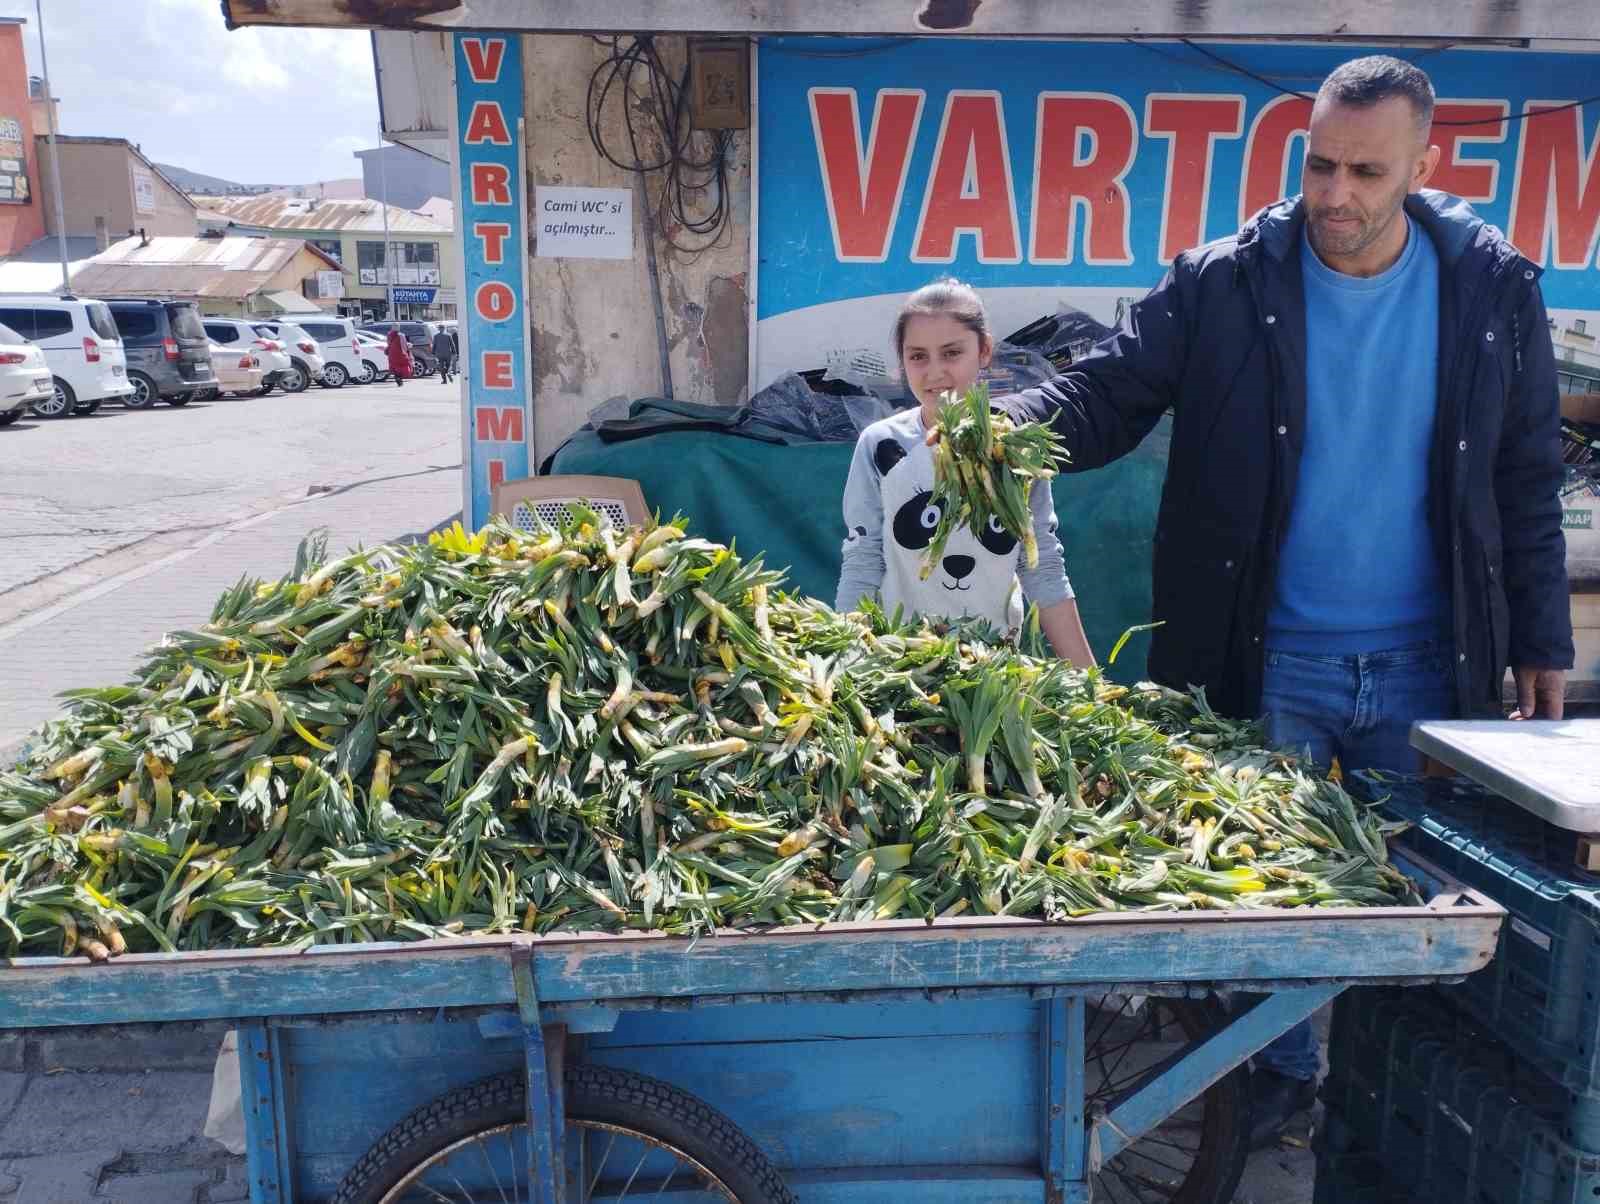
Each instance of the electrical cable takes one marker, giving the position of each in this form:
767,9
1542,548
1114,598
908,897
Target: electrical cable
655,106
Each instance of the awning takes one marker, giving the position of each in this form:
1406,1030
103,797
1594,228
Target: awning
290,303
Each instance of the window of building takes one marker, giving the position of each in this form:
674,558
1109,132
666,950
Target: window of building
1580,326
330,247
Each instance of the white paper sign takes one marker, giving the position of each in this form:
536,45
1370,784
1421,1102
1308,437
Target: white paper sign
582,223
144,192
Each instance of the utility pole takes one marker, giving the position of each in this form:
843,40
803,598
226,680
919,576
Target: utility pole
388,247
55,159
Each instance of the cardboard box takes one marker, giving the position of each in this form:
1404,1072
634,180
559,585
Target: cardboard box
1581,407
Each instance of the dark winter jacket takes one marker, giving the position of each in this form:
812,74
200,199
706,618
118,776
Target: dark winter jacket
1221,342
444,347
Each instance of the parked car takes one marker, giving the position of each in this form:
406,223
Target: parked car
235,371
24,376
336,340
237,334
167,350
374,357
419,335
80,343
308,363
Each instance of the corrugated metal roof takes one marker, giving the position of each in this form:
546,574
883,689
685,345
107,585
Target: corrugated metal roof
230,268
290,213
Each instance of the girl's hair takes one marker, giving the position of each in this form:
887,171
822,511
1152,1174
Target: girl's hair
949,297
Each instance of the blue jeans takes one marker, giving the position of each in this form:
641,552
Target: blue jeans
1360,709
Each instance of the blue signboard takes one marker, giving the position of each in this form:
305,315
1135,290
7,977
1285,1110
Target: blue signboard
488,112
1051,173
414,296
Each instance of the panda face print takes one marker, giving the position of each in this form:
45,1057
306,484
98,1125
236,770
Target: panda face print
918,517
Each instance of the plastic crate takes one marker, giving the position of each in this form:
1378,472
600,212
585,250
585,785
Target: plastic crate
1421,1106
1541,993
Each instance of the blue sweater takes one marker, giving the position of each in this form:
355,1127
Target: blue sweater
1358,571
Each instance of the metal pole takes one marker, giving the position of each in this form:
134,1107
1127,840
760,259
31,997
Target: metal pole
388,269
55,159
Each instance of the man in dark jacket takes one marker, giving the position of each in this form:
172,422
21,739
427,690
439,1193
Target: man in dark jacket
444,350
1360,524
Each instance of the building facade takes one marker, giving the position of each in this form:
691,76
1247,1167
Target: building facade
419,261
225,276
111,189
21,215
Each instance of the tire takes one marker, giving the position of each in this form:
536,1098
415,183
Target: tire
1214,1128
262,391
11,416
369,372
145,393
179,399
295,378
61,405
334,376
86,410
613,1103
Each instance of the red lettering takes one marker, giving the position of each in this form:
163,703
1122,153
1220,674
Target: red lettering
969,189
495,301
491,184
1191,125
501,424
487,124
1556,196
863,190
1472,180
484,58
497,474
1266,152
497,370
1067,175
493,235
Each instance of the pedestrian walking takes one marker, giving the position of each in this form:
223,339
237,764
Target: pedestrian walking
399,354
444,350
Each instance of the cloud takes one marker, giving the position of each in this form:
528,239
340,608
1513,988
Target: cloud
255,105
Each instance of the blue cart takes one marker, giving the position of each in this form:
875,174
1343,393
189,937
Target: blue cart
966,1060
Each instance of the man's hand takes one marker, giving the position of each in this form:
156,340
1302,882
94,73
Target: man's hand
1541,693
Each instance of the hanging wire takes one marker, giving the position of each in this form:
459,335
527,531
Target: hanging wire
1238,69
693,194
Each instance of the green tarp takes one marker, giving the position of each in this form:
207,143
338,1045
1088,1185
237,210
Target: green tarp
783,500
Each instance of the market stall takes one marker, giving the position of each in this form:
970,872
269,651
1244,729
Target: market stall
1090,1053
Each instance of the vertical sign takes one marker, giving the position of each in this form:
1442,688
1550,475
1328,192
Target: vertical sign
493,246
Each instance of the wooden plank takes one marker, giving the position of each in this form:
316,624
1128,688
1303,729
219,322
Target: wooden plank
1357,19
898,955
1199,1068
1057,1104
269,1137
950,1101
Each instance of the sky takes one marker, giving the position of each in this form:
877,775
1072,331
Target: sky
257,106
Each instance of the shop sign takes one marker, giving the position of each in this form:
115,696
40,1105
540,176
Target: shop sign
414,296
489,110
583,223
13,163
1050,173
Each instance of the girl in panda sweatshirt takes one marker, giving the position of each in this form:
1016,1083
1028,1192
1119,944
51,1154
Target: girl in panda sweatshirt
942,341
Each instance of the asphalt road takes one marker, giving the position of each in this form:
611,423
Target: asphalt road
79,488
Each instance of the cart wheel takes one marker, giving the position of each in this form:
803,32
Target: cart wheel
641,1138
1197,1155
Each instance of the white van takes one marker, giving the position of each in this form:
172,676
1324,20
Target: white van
344,359
80,343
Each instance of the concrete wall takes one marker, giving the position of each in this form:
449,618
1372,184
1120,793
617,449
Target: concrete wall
594,326
20,225
99,183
